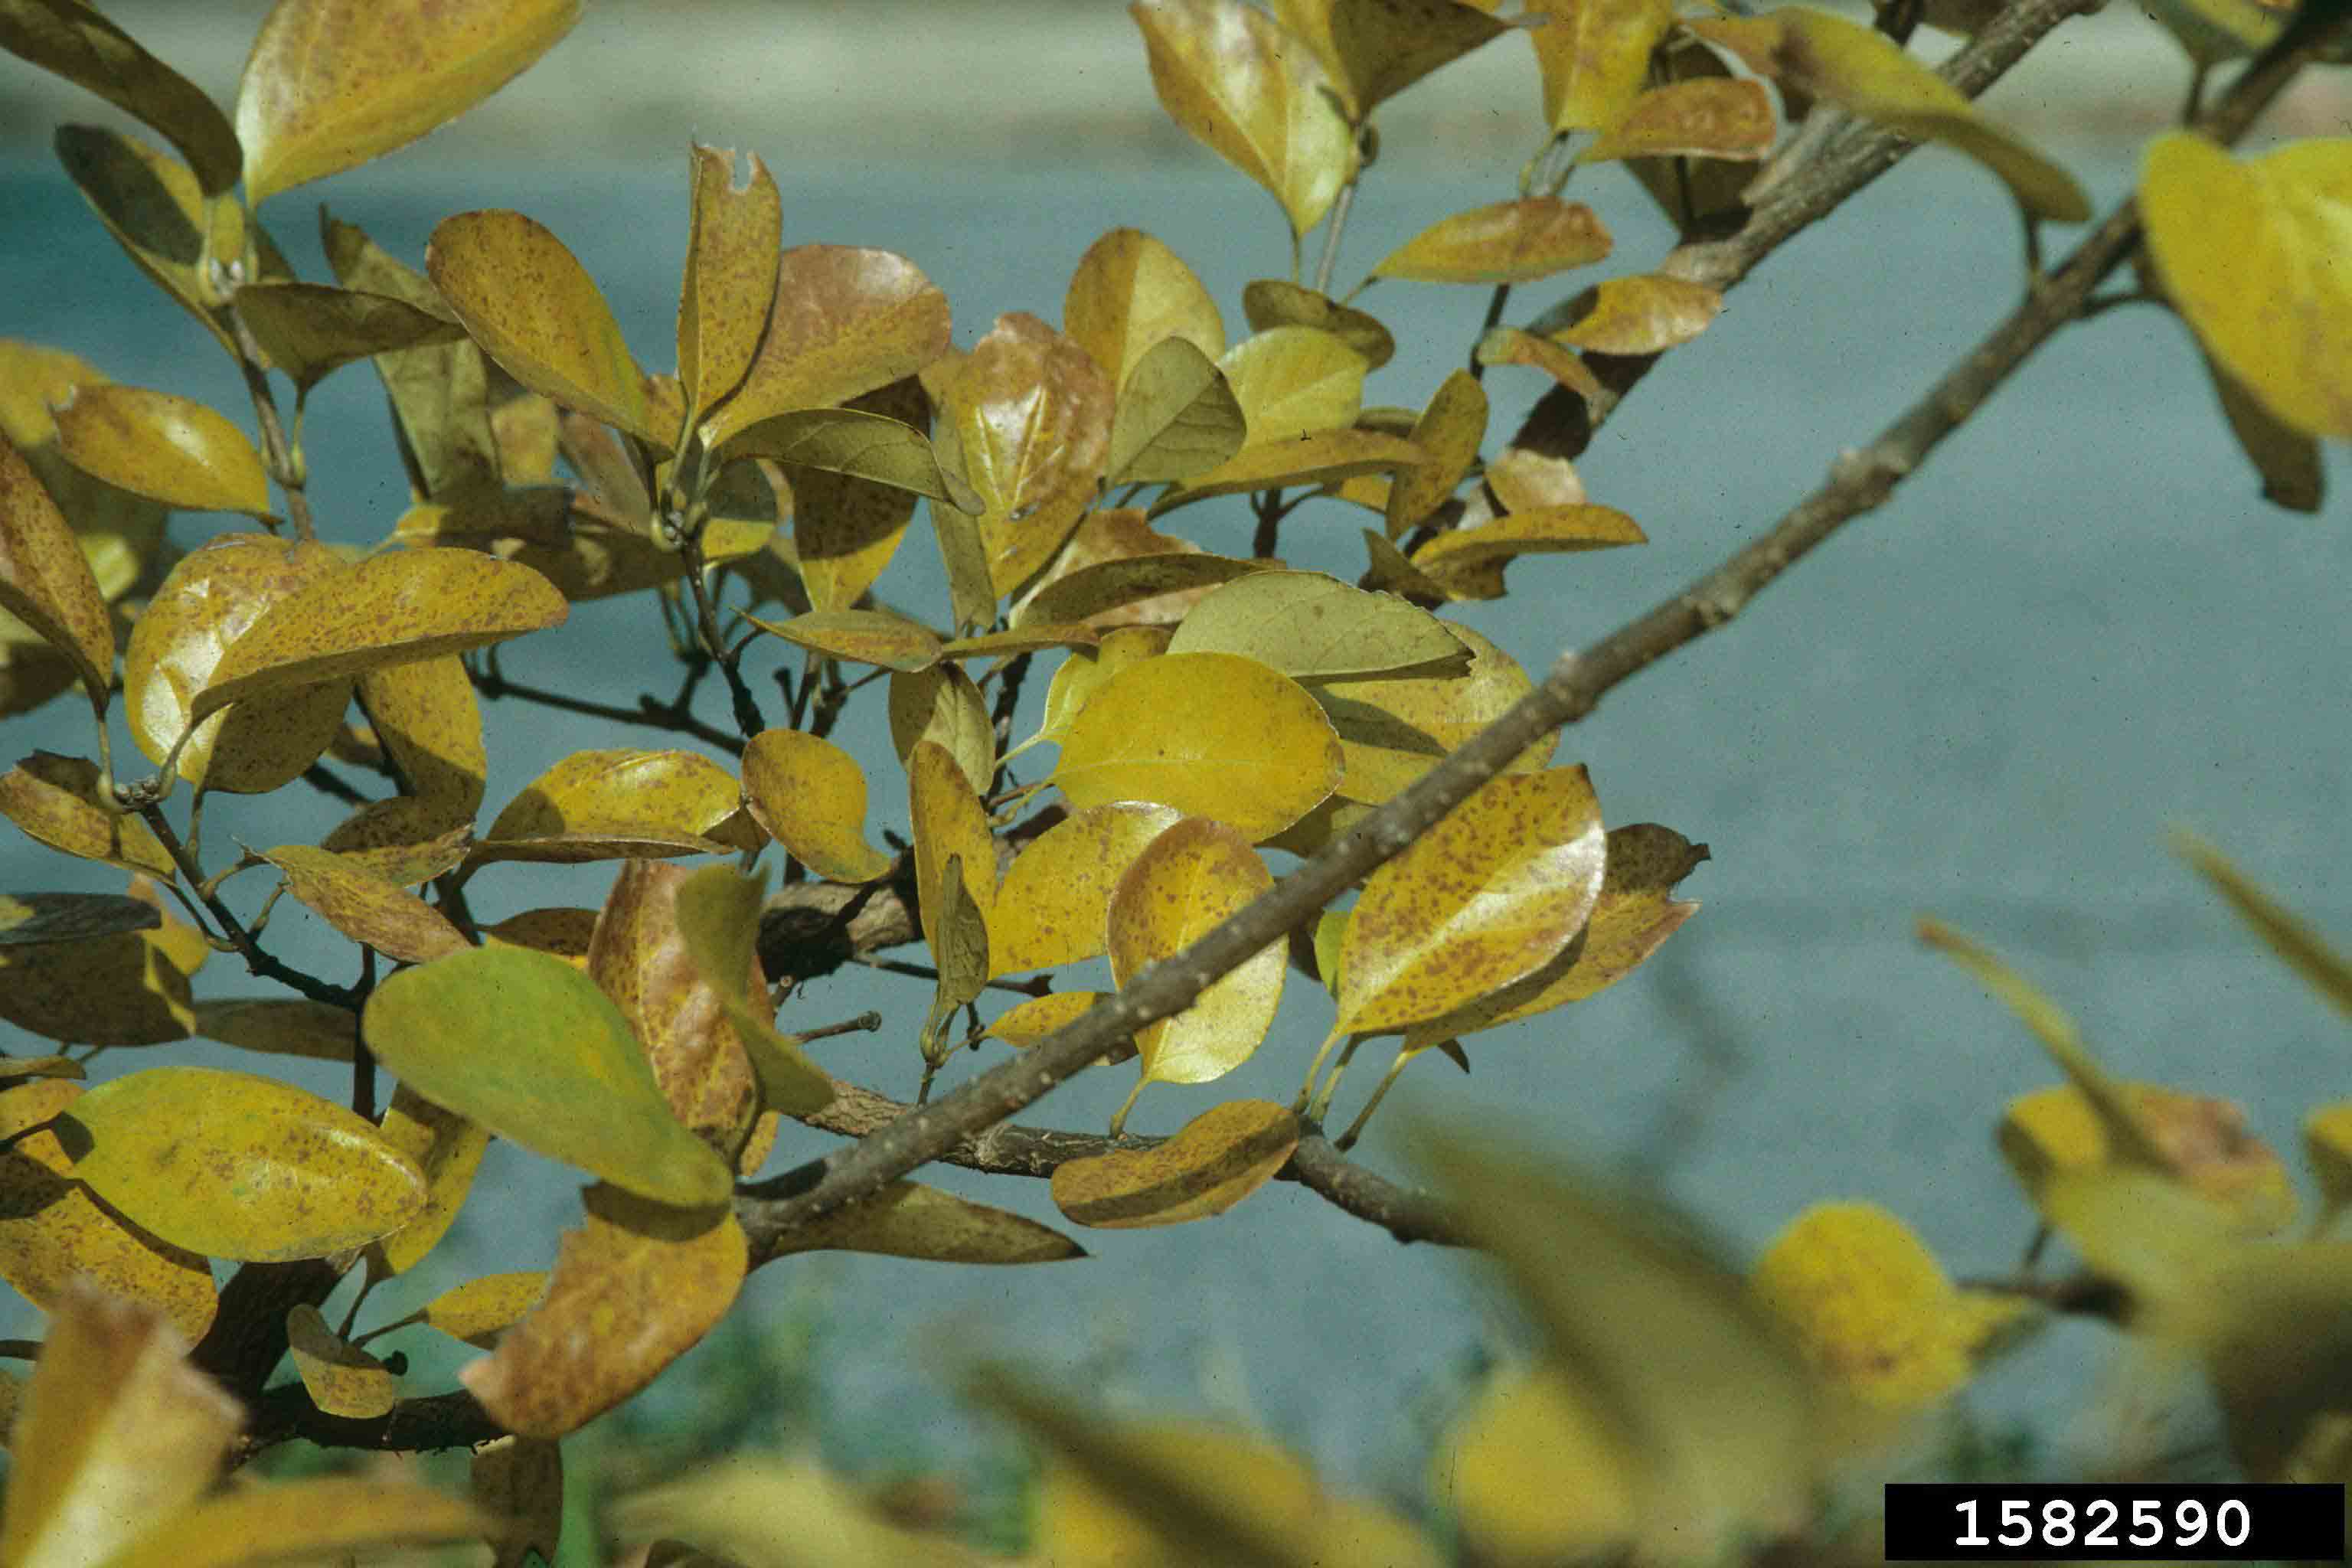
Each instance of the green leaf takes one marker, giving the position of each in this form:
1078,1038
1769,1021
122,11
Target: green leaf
944,705
534,309
232,1165
1175,417
331,84
78,44
848,441
718,916
527,1046
846,529
1316,628
1213,734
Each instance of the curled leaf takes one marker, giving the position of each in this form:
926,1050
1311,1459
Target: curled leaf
1219,1158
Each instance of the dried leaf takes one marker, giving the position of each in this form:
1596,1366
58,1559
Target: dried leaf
1211,734
634,1289
231,1165
1053,905
1221,1157
1645,314
590,1098
1129,295
907,1219
365,907
1506,242
809,796
331,84
1316,628
170,450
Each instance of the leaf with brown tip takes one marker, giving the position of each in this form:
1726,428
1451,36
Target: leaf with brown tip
1221,1157
1710,117
1032,416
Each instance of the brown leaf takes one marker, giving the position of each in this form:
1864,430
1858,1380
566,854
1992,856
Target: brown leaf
518,1481
1509,345
1712,116
1645,314
907,1219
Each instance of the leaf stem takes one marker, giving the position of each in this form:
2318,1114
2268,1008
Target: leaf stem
1332,229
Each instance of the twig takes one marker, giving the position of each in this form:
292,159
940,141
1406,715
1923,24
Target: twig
234,930
650,711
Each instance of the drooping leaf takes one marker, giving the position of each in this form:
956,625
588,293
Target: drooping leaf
1270,303
116,1431
1488,895
718,917
533,308
1710,117
1507,242
947,822
80,43
1374,49
1595,57
278,1025
734,236
1449,430
1511,345
2286,459
170,450
1032,416
1211,734
2274,309
128,990
634,1289
54,800
448,1148
1175,417
1129,295
1864,72
867,636
525,1044
1231,77
1459,558
1295,381
845,530
231,1165
340,1378
426,717
363,906
47,581
1316,628
1219,1158
53,1232
388,610
310,330
907,1219
1053,905
809,796
1645,314
844,322
35,919
944,705
331,84
1185,883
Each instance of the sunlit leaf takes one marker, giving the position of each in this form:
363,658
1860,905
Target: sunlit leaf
2274,309
1374,49
1175,417
170,450
1229,75
481,1311
1645,314
734,237
1024,1026
1184,884
634,1289
1864,72
1316,628
1595,57
54,801
1507,242
1211,734
116,1431
1458,554
1129,295
232,1165
1032,416
844,322
1712,116
387,610
534,309
2287,460
618,793
1087,670
52,1231
1510,345
865,637
1053,907
907,1219
331,84
1449,430
1295,381
718,917
1272,302
1219,1158
363,906
448,1148
588,1097
944,705
44,579
1488,895
947,822
425,714
340,1378
809,796
1536,1471
78,44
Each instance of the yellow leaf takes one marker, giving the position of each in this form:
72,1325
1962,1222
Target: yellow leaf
44,579
388,610
634,1289
2202,1142
1211,734
1032,415
732,1507
867,636
907,1219
1507,242
1024,1026
1295,381
331,84
1374,49
1130,294
1712,116
320,1518
1186,882
1645,314
618,792
448,1148
809,796
481,1311
1536,1472
1219,1157
54,800
116,1431
845,528
734,238
1316,629
365,907
52,1231
1270,303
1511,345
1863,72
519,1482
425,714
2327,1146
1595,57
1488,895
232,1165
1229,75
170,450
1053,907
340,1378
1322,458
943,706
947,822
531,305
1449,430
1456,557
